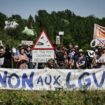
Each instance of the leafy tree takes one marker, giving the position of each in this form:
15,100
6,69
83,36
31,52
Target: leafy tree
77,29
30,22
2,20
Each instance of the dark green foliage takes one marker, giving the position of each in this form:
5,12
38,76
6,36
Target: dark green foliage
52,98
2,20
77,29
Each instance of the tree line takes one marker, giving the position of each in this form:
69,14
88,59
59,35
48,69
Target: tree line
77,29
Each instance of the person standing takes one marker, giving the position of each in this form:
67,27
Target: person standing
80,64
22,59
2,56
101,59
29,55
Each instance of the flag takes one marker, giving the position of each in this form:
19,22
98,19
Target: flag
99,32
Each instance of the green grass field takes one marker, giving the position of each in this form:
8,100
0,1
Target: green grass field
61,97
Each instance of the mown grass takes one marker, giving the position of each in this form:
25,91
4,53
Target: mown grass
61,97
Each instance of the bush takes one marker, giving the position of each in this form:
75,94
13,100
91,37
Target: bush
8,97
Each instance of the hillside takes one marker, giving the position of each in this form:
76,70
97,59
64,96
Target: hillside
77,29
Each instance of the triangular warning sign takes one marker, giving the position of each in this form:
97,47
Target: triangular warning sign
43,43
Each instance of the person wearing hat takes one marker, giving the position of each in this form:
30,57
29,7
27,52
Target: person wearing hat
50,64
80,64
94,56
89,58
71,53
22,59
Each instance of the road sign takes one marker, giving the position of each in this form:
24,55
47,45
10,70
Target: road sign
25,42
43,43
43,49
42,55
61,32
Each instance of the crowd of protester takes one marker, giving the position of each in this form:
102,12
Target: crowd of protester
65,58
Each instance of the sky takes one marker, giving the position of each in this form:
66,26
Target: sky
25,8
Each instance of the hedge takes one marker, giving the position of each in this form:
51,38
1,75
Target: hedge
8,97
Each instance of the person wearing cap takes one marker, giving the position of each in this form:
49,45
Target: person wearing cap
80,64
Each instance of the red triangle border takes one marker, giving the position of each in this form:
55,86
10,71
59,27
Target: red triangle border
38,40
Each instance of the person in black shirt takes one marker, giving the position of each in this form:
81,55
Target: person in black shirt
5,57
8,58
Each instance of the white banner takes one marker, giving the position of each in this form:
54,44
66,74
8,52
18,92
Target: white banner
49,79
